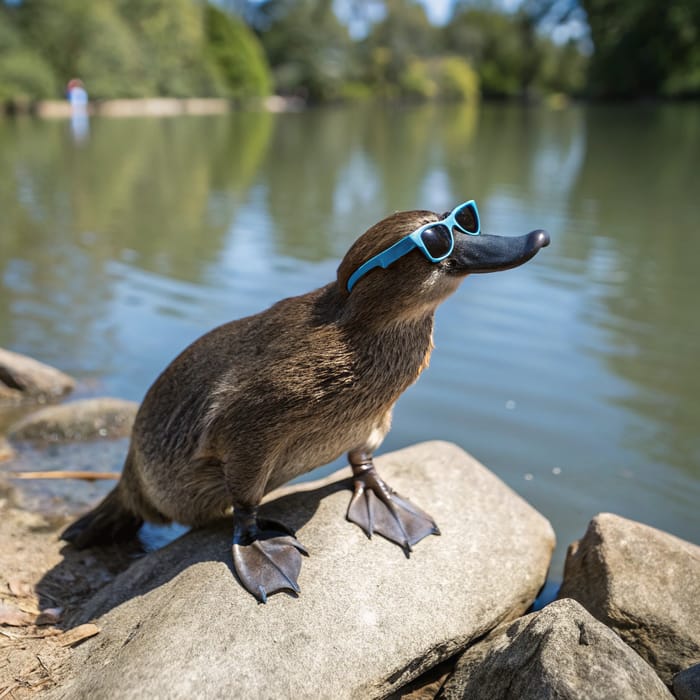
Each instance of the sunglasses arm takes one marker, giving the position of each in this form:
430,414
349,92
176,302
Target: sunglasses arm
383,259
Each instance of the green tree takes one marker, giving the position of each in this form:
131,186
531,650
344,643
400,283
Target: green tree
307,47
391,53
23,73
492,42
128,48
237,53
90,41
172,39
644,47
110,60
513,53
563,68
457,80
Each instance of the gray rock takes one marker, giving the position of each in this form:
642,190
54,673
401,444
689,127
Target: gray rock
560,652
686,684
644,584
177,624
88,419
24,379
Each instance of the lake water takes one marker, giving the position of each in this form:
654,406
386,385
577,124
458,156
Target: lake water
575,378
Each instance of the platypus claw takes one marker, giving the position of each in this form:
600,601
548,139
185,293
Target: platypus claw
376,507
267,557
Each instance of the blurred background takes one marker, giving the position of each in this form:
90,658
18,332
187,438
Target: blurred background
323,50
575,378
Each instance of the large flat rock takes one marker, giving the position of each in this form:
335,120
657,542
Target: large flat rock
177,624
561,652
644,584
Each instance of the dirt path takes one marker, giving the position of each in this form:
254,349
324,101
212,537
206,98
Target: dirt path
40,587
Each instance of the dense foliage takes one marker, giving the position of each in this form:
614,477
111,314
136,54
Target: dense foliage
312,49
238,55
128,48
627,48
645,48
404,55
22,70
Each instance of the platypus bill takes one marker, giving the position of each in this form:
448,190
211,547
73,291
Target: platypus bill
259,401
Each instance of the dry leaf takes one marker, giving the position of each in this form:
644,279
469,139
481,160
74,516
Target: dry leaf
28,606
20,588
78,634
13,617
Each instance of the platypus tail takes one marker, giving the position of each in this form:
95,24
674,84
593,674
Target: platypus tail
108,523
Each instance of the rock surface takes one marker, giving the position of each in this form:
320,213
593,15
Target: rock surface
559,652
88,419
6,451
686,684
177,624
644,584
25,379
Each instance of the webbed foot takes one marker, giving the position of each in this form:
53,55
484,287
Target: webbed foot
266,555
376,507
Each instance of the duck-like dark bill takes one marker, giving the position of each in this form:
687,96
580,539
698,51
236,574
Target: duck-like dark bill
484,253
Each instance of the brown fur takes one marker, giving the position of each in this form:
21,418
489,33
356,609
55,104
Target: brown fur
258,401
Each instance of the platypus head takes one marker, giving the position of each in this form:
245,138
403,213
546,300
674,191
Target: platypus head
413,260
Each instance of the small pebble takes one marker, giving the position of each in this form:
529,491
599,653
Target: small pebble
49,616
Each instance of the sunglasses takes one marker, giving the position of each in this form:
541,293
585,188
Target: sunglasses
435,240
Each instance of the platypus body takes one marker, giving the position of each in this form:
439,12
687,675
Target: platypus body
261,400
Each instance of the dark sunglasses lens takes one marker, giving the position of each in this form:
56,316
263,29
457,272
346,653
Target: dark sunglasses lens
437,240
467,218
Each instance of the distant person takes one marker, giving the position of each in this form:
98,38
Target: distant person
78,98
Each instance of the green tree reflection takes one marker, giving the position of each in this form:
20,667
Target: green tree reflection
139,188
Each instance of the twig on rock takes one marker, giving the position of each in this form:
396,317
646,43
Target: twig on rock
64,474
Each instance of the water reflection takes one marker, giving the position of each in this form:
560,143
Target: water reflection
80,127
158,194
577,371
645,272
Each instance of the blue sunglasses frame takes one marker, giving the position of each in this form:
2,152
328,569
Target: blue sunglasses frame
406,244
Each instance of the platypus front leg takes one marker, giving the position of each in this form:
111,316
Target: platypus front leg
376,507
266,555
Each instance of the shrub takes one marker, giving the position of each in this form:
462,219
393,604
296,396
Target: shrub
417,82
24,74
457,80
237,54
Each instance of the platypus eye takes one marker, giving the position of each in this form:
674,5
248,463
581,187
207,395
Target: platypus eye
437,240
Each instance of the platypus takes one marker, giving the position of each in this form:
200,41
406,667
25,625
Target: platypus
263,399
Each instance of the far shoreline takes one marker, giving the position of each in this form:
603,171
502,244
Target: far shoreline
151,106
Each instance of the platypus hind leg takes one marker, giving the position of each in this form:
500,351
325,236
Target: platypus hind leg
266,555
376,507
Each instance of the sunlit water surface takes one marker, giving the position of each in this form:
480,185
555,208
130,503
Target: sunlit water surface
574,378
